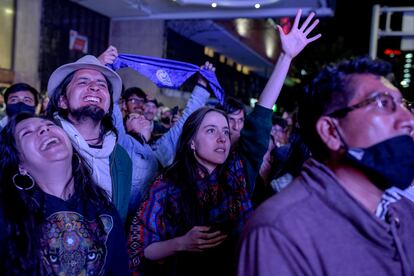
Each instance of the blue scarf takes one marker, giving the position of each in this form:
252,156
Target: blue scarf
167,73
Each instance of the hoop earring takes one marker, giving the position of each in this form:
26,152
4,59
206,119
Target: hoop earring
25,184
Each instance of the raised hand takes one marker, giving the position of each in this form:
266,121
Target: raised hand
199,239
294,42
109,56
207,66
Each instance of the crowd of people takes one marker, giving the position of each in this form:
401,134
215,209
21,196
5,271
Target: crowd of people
109,182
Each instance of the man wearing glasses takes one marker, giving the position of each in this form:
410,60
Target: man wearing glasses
349,212
133,100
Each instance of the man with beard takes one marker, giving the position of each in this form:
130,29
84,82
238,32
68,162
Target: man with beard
19,97
82,97
335,218
150,159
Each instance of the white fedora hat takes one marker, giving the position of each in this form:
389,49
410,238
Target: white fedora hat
86,62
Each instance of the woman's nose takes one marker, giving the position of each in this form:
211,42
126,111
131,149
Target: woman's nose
43,129
222,137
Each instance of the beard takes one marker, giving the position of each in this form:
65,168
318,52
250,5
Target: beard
92,112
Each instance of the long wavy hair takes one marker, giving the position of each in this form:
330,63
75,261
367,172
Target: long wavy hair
185,169
22,210
53,106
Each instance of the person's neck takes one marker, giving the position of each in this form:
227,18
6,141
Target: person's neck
56,179
89,129
358,185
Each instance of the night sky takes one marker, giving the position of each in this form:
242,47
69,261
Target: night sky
345,35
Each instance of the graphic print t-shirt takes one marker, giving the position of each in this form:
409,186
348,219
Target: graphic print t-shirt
77,239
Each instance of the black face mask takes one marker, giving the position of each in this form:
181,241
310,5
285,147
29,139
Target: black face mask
13,109
388,163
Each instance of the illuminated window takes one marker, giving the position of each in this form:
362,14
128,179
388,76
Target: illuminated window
7,14
222,59
208,52
229,62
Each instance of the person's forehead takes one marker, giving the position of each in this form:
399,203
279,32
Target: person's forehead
30,122
365,85
135,96
214,118
236,114
277,127
22,93
150,104
89,73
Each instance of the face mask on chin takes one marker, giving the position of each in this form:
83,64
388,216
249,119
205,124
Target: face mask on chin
388,163
13,109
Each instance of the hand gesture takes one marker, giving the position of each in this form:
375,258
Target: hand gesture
294,42
175,119
207,66
109,56
199,239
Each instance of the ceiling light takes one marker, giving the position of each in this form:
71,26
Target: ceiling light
242,26
229,3
214,4
257,6
8,11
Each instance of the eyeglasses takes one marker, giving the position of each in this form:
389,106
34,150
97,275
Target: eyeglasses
383,101
135,101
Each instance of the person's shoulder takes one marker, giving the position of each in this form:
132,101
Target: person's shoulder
280,208
121,154
405,207
163,187
119,149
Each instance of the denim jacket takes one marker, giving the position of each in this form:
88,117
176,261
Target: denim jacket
148,160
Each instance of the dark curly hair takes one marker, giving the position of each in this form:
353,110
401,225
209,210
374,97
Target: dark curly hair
332,89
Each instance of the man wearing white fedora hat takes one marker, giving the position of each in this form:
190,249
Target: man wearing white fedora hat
82,96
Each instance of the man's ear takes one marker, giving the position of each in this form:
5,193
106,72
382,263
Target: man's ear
63,102
328,133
